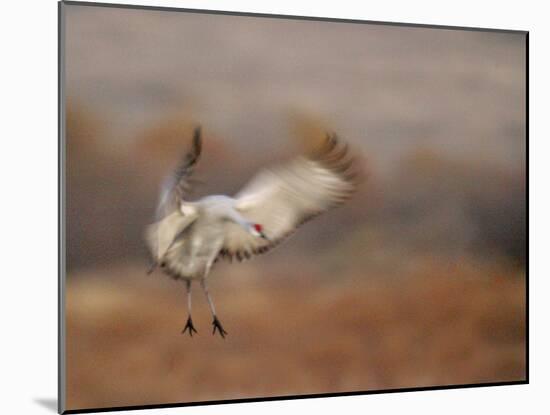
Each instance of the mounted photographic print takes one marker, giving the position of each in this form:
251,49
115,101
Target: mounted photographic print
260,207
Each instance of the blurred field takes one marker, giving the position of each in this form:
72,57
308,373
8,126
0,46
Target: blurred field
418,281
291,333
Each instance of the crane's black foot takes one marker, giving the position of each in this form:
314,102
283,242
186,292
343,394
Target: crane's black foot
189,325
217,325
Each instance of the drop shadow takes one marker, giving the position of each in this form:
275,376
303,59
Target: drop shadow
48,403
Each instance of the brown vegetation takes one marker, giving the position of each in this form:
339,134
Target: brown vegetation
291,333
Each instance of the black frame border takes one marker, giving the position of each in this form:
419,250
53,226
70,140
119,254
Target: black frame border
62,191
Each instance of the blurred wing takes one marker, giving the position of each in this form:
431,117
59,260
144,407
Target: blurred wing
177,185
282,198
161,235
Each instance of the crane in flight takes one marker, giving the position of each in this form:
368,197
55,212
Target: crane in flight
189,236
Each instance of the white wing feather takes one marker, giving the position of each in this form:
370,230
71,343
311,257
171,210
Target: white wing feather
171,219
161,235
282,198
177,184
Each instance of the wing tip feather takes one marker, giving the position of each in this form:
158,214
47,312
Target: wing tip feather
334,155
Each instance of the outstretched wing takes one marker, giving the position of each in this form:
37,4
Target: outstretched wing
177,184
282,198
170,220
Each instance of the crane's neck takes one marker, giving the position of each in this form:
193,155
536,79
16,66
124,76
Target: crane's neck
235,217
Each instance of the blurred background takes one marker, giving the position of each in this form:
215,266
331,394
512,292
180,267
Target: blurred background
418,281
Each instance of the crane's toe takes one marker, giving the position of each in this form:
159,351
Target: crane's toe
189,326
218,326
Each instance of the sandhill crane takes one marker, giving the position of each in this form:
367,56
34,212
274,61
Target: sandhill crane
189,236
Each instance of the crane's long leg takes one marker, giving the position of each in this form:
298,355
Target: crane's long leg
216,323
189,324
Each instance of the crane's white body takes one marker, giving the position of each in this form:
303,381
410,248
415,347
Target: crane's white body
202,226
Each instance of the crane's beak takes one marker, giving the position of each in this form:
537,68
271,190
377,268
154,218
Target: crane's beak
263,236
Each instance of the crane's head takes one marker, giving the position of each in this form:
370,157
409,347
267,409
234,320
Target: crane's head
257,230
